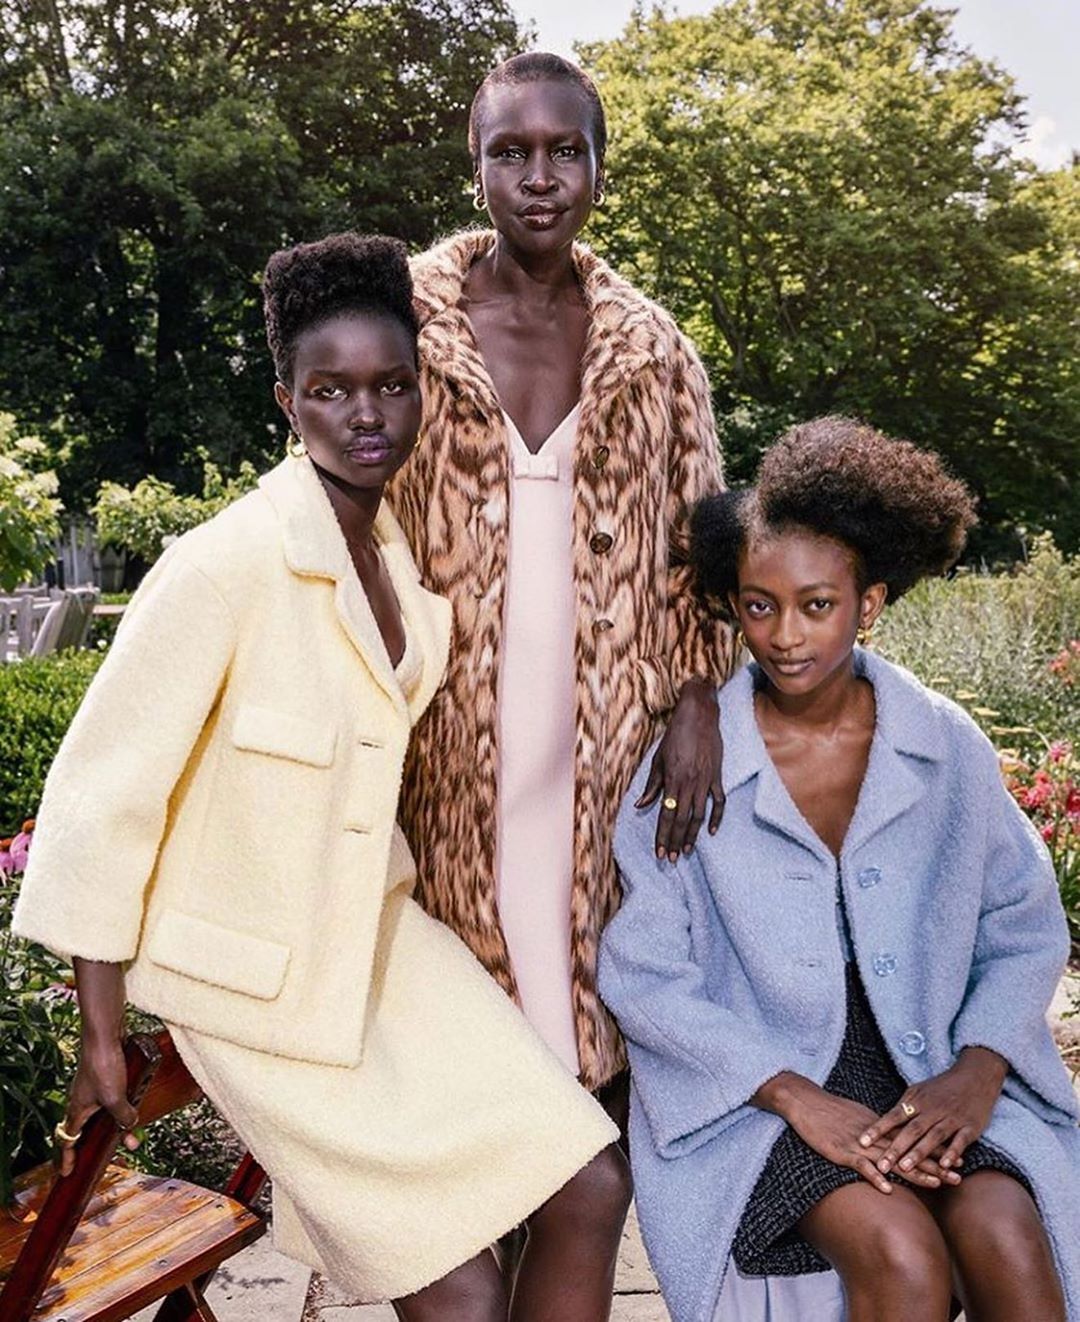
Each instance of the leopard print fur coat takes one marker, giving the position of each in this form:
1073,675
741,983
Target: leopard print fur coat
646,449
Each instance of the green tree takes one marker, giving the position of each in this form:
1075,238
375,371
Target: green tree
29,509
154,152
828,194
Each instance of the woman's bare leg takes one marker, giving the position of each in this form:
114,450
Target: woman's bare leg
888,1251
1004,1263
567,1271
473,1292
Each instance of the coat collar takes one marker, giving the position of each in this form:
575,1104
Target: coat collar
907,731
624,327
314,547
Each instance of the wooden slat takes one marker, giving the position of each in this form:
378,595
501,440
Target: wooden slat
117,1184
153,1266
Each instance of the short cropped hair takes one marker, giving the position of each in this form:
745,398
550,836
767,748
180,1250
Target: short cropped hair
536,67
306,285
892,504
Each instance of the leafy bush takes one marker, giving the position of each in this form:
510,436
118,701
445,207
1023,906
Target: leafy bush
29,510
38,699
39,1030
140,518
999,644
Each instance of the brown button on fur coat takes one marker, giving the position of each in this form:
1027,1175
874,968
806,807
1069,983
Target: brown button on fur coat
646,449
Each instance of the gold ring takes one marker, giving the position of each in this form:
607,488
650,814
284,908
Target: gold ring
64,1137
907,1109
671,803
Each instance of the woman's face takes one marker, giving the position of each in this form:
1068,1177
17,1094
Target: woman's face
800,608
355,397
537,164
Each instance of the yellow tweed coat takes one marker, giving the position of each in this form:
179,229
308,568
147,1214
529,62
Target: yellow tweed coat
222,809
221,815
646,450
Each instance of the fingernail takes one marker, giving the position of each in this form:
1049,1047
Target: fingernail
688,850
864,1139
907,1163
660,854
883,1165
945,1163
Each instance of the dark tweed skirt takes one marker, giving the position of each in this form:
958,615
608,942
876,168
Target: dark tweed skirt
796,1177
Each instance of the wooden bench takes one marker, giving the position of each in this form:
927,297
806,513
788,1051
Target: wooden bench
107,1241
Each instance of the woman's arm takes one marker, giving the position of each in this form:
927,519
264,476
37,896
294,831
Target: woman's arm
1021,946
700,646
101,1076
106,800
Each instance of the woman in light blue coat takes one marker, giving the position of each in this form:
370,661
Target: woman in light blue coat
835,1008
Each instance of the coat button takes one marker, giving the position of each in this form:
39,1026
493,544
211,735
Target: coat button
869,877
601,542
602,626
600,456
913,1043
884,963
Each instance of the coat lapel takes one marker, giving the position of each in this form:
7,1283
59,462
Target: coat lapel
314,547
906,732
621,340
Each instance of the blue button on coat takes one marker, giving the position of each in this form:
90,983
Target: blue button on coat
723,970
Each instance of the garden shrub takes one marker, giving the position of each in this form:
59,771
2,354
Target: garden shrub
38,699
39,1032
999,645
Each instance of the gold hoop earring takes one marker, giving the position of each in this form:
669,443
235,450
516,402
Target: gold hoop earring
598,197
740,638
862,635
478,201
294,446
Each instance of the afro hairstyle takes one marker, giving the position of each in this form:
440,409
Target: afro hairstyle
889,502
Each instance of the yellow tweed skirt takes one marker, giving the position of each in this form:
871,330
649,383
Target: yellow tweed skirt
455,1125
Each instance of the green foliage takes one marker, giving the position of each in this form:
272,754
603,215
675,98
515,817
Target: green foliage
39,1030
38,699
829,196
153,153
138,519
29,510
990,642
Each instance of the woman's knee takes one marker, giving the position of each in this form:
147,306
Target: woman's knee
994,1230
890,1246
599,1194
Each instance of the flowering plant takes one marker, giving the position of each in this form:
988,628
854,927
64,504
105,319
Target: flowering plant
1047,790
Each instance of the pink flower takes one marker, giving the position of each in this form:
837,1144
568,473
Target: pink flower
6,865
20,851
1047,832
1058,750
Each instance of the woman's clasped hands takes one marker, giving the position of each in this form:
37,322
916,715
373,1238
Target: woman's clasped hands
939,1118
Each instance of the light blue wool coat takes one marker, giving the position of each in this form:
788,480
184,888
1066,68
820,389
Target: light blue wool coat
727,968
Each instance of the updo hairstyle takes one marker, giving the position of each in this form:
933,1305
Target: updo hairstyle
310,283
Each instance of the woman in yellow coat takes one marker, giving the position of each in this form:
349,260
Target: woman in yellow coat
217,843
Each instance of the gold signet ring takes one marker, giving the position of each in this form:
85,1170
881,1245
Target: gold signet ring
671,803
907,1109
64,1137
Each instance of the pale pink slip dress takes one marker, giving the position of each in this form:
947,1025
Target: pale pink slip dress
534,852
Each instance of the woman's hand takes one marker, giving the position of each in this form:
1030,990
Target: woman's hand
946,1113
686,769
100,1083
101,1077
834,1126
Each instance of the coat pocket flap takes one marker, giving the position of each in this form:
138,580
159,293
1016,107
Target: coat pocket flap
219,955
261,730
